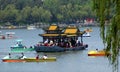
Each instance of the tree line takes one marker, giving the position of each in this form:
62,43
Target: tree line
48,11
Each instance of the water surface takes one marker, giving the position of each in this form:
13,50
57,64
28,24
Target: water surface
72,61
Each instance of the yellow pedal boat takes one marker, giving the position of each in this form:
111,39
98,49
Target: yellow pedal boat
98,53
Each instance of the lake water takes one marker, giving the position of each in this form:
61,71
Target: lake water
72,61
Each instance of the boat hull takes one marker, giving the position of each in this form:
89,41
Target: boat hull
98,53
58,49
49,59
21,49
13,60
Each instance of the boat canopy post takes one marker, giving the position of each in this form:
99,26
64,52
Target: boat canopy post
81,38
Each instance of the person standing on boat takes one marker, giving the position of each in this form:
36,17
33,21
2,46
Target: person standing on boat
20,44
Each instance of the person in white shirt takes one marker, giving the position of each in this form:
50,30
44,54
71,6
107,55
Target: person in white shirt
23,56
45,57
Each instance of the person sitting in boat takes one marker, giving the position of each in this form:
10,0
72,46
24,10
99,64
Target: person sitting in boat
20,44
31,47
37,57
23,56
46,43
9,55
3,37
25,47
78,44
72,42
17,44
97,50
51,43
45,57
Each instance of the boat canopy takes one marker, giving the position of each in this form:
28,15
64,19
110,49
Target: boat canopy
70,31
53,27
19,40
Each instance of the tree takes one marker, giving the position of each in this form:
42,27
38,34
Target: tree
35,14
111,36
52,6
10,13
26,14
30,11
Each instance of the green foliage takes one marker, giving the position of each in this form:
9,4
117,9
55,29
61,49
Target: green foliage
111,37
30,11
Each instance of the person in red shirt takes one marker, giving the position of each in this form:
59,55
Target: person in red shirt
37,57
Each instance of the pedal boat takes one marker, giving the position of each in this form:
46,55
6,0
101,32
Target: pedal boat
13,60
49,59
19,47
98,53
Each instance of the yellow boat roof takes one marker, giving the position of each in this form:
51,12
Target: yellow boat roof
70,31
53,27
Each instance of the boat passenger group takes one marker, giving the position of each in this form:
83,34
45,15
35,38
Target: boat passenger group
23,56
67,43
9,56
20,45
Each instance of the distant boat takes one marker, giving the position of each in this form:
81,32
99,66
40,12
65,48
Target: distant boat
7,35
88,30
19,47
98,53
31,27
2,36
10,35
87,34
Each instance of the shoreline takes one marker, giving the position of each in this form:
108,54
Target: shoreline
47,25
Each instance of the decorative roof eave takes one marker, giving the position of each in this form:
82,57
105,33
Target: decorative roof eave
72,35
48,34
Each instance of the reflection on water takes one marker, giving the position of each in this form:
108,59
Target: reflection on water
71,61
